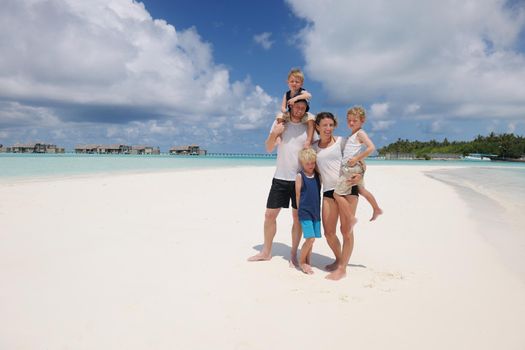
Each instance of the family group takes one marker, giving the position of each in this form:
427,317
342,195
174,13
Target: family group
310,158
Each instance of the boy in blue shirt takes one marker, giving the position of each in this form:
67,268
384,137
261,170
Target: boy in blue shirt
308,198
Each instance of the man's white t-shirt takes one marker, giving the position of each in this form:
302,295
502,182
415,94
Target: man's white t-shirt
292,141
329,163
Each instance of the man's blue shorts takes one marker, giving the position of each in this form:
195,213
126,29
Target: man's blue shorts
311,229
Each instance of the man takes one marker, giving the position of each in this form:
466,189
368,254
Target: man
292,137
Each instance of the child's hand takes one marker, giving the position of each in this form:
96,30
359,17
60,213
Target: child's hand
292,101
354,179
307,144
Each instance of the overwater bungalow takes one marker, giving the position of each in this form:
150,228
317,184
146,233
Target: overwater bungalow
2,148
114,149
86,149
144,150
193,150
35,148
103,149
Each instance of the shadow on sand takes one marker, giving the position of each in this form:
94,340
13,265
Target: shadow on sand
318,260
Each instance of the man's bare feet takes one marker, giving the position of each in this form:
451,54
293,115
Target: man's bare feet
376,213
307,269
260,257
332,266
336,275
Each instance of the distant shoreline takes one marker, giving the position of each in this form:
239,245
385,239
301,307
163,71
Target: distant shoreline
256,155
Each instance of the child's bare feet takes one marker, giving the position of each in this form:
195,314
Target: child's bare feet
307,269
338,274
377,211
260,257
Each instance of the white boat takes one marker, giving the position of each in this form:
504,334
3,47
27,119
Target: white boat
479,157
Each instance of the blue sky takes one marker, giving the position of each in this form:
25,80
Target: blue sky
169,73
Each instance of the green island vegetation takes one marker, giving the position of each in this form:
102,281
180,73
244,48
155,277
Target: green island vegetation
504,146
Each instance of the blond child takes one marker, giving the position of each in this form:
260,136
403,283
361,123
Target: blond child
308,199
353,159
296,93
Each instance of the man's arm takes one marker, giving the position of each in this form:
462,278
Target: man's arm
271,141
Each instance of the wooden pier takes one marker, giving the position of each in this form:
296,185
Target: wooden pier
242,155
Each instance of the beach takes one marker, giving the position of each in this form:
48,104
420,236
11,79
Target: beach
158,261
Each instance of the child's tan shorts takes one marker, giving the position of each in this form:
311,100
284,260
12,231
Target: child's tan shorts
342,187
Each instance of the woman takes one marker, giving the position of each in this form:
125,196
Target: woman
329,156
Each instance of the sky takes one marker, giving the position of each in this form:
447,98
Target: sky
213,73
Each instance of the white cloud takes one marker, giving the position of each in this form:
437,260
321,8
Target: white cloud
437,126
379,110
382,125
17,114
263,39
412,108
70,55
456,59
253,115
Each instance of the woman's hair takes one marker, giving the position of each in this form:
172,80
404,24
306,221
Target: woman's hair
358,111
296,72
323,115
307,155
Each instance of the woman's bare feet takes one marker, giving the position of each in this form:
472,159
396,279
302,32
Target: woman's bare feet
377,211
332,266
260,257
307,269
338,274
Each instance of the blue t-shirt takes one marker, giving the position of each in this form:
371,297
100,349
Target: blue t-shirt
310,200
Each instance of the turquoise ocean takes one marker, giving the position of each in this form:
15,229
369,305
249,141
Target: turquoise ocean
37,166
495,195
494,191
502,182
45,166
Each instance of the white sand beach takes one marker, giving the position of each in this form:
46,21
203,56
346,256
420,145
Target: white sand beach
158,261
